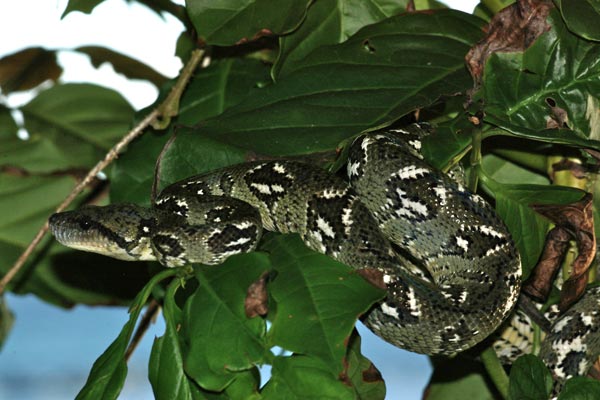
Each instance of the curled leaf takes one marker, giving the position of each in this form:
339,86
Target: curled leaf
573,221
514,28
257,297
27,69
123,64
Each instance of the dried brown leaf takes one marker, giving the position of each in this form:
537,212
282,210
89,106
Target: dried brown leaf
373,276
594,371
512,29
559,117
27,69
573,221
257,297
540,281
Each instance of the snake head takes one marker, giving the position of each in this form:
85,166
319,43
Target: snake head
120,231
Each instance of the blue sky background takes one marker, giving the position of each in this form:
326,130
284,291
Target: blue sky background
50,351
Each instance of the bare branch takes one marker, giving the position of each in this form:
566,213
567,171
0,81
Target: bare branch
163,113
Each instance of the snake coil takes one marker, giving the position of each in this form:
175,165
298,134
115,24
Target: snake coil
450,267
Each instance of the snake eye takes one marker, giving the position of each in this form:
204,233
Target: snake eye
85,224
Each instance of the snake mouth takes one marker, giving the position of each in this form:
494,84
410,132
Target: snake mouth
73,231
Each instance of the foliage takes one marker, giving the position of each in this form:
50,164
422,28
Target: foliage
300,79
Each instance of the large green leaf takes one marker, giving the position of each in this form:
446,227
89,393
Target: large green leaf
458,379
580,388
381,73
221,339
528,229
525,92
331,22
70,126
317,301
530,379
304,377
227,22
223,84
581,17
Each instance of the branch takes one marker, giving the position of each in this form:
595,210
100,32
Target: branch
161,114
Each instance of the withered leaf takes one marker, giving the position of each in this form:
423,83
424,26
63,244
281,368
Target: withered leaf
373,276
573,222
27,69
257,298
514,28
559,117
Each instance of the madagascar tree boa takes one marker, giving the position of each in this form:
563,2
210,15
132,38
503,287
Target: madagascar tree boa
450,267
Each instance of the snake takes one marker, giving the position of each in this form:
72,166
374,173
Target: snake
451,270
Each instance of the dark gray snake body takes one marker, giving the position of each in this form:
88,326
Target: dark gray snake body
447,261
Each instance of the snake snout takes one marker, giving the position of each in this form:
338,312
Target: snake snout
58,226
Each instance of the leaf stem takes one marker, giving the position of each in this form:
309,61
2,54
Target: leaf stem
168,108
493,5
475,159
495,370
148,317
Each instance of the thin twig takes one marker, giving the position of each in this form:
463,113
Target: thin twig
167,109
110,156
148,317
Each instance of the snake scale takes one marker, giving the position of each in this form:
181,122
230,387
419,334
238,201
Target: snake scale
449,265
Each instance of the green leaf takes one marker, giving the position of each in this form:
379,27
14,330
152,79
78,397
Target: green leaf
529,379
331,22
381,73
27,69
70,126
165,371
581,17
448,142
132,175
304,377
123,64
556,136
222,340
56,275
36,198
227,22
245,386
221,85
110,369
580,388
7,319
502,170
85,6
361,373
318,301
528,229
8,126
487,9
458,379
529,91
